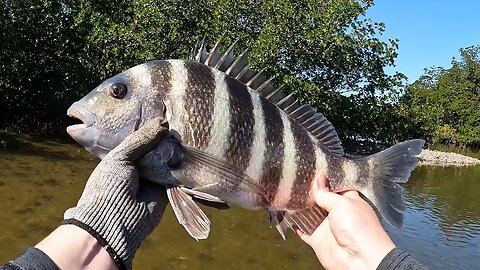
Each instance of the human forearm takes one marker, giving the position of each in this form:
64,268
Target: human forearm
112,217
70,247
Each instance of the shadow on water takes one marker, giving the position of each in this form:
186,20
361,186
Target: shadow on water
11,143
40,179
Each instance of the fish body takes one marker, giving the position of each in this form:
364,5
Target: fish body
235,138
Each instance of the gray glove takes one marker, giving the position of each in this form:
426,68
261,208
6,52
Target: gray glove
117,208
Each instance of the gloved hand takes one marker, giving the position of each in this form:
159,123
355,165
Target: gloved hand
116,207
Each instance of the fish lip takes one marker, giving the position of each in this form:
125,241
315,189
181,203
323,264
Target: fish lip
87,133
81,113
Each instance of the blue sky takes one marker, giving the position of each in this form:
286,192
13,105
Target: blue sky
430,31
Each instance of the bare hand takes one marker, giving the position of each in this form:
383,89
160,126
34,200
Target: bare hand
351,237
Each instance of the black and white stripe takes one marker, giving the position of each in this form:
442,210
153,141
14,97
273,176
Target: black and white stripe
259,146
233,123
161,78
290,166
198,100
335,172
350,170
242,119
274,151
141,76
175,112
321,164
306,161
220,132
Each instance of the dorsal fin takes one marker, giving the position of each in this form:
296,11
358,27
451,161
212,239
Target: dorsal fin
239,68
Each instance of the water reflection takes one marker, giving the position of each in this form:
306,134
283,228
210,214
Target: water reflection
39,179
443,217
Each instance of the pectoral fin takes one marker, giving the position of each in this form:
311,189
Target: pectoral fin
220,168
188,213
202,195
206,199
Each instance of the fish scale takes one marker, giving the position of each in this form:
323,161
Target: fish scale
306,159
273,164
241,124
197,104
298,145
236,138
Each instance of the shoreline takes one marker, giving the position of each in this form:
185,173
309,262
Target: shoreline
427,157
439,158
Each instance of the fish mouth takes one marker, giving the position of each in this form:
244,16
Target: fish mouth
81,113
87,133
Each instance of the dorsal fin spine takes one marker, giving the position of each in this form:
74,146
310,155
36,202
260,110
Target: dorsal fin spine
308,122
210,59
275,91
198,50
226,54
283,101
237,61
255,77
314,122
242,72
264,85
300,110
325,131
292,106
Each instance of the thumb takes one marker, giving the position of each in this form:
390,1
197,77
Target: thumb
324,198
352,194
140,141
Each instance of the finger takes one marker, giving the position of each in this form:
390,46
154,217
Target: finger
318,236
140,141
352,195
325,199
321,182
305,237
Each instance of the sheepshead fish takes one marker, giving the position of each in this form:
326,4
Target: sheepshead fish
233,137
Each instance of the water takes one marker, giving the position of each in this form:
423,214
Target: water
40,179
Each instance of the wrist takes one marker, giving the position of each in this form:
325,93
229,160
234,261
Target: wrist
70,247
119,262
116,222
377,251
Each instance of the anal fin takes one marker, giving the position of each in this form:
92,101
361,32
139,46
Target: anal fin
306,220
188,213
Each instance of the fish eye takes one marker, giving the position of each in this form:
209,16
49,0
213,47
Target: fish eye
118,90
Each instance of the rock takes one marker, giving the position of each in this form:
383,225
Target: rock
439,158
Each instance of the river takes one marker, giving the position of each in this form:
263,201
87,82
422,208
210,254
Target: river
40,179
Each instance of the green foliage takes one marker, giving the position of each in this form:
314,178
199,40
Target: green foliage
40,71
326,52
444,102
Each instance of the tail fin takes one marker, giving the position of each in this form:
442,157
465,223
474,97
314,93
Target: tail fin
387,168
